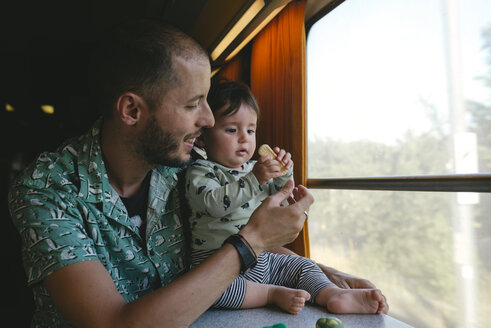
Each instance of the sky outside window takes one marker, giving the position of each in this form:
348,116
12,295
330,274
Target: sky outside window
375,67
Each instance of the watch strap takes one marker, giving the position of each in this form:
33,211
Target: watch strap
247,255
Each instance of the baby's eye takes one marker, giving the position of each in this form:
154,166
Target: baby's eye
251,131
231,130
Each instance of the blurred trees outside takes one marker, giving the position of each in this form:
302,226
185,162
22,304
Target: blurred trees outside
403,241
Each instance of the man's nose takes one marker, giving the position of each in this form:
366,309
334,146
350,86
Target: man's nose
206,119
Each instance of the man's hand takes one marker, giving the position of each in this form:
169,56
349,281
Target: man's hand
345,280
273,225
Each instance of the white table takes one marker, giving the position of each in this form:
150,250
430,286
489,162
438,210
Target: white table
261,317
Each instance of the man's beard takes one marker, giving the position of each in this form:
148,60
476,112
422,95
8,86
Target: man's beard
156,146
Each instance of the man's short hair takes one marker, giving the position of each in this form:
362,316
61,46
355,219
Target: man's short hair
139,57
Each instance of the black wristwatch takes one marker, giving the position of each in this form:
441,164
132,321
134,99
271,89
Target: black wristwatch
247,255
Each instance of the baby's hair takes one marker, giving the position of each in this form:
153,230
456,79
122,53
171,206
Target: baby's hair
232,93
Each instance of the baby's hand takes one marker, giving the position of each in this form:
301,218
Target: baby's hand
284,158
271,164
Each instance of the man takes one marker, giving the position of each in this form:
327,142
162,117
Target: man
103,239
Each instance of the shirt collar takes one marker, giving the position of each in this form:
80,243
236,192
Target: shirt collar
94,182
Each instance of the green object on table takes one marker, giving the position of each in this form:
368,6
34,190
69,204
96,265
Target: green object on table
278,325
329,322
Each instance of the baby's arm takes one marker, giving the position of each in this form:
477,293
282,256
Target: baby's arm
208,190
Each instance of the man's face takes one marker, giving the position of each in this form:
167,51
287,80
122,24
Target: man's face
171,129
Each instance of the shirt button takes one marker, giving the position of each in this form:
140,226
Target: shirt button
152,253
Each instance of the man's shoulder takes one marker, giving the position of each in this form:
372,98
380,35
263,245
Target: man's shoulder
49,181
50,166
57,169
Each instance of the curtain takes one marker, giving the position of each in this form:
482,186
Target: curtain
277,80
237,68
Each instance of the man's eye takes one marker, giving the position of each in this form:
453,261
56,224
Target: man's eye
194,105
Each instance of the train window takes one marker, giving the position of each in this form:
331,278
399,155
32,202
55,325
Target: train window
399,153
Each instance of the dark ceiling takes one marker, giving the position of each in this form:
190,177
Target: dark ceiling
45,47
50,24
44,58
44,54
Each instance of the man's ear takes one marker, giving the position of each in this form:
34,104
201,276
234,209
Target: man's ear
129,108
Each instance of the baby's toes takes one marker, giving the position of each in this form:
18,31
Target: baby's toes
297,305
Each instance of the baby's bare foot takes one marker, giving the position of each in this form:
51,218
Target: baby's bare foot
289,300
339,300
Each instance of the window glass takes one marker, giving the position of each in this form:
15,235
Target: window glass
430,253
398,87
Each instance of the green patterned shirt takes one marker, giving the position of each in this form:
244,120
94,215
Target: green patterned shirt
66,212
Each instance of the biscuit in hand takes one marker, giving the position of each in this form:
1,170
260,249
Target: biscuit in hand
266,150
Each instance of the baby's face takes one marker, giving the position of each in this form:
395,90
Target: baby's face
232,140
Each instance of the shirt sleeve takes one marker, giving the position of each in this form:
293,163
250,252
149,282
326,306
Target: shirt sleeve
208,193
51,229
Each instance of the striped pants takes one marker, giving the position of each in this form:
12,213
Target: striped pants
276,269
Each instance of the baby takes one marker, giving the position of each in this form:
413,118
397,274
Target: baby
227,187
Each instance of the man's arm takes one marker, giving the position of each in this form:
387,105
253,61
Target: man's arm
87,297
345,280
